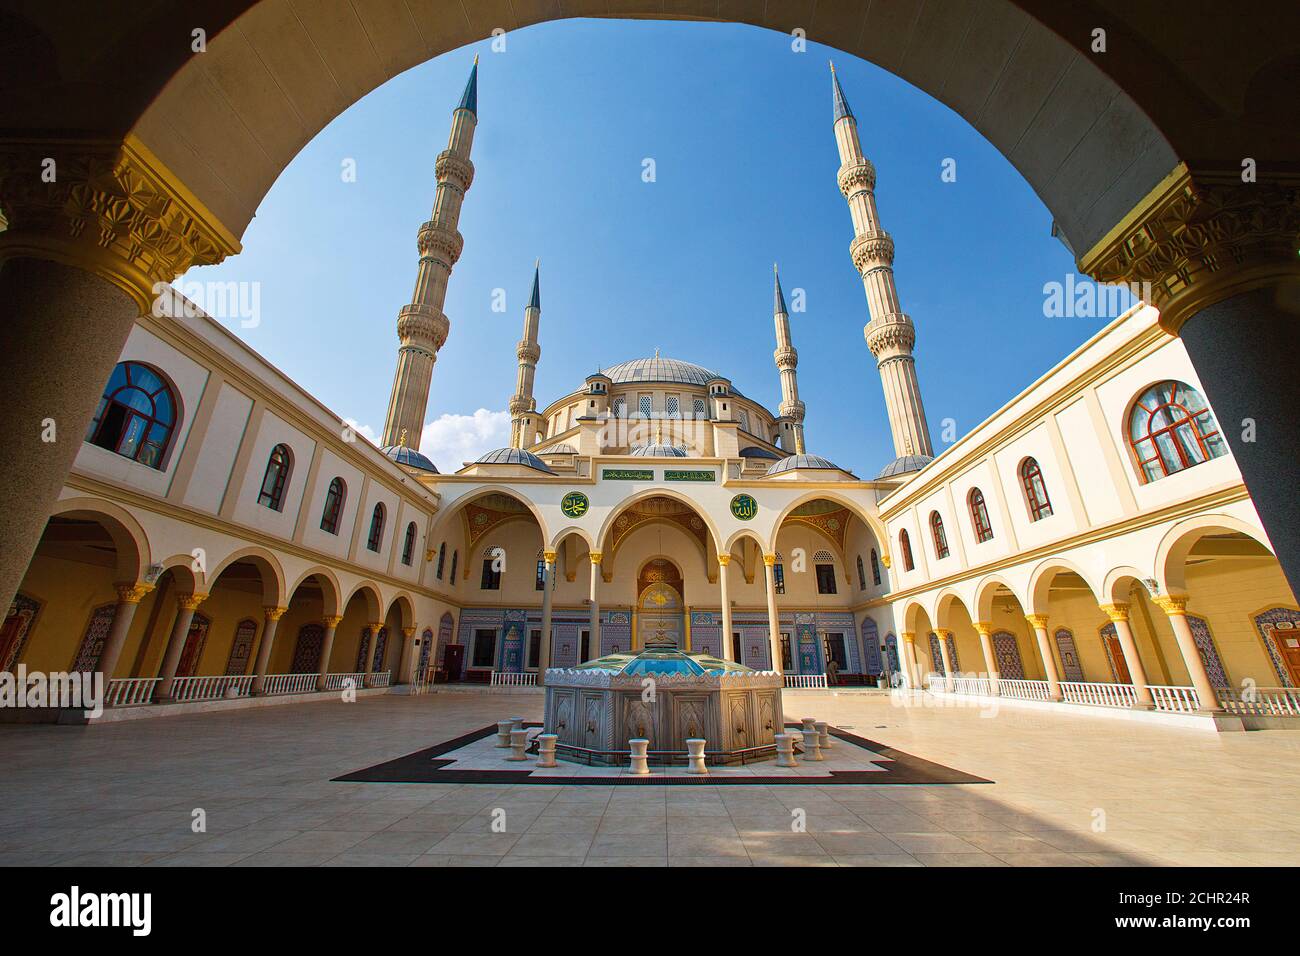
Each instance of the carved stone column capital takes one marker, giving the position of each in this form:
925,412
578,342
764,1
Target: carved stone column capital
724,560
111,208
549,556
983,628
132,593
332,621
1170,604
1037,620
909,637
595,557
1201,237
190,602
1117,612
274,613
769,560
942,633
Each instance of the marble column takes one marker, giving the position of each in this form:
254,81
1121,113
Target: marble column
269,627
186,605
911,670
985,631
943,636
773,618
593,645
327,646
404,656
62,330
372,638
129,597
548,585
1118,614
725,649
1175,609
1039,623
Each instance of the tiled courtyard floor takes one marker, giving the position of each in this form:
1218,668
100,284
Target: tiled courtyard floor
125,794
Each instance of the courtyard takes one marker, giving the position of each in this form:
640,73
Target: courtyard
1063,791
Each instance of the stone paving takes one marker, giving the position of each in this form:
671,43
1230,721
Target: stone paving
1066,791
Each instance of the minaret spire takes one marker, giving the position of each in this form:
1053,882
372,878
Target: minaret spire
890,334
787,360
422,326
522,403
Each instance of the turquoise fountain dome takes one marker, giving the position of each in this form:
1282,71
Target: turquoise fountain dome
664,657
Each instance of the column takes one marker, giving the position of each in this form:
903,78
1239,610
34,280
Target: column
594,644
1176,609
403,656
773,619
985,631
548,583
1039,623
726,651
1118,614
129,597
943,636
327,645
372,638
910,663
187,604
273,615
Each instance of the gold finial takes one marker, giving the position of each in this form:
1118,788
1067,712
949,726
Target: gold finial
656,351
401,439
476,61
537,263
831,62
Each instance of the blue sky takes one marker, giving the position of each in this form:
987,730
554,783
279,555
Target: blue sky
739,127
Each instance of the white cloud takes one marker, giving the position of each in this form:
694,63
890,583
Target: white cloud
365,431
452,440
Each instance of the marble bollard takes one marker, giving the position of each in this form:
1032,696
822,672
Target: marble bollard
823,734
809,723
503,733
811,748
518,744
546,749
516,723
695,751
785,750
640,762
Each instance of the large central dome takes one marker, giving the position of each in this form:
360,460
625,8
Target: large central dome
659,370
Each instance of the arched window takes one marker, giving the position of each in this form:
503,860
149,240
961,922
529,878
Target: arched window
1031,479
1171,428
862,575
408,545
905,547
376,528
329,518
979,515
940,538
875,567
442,558
455,559
136,416
278,467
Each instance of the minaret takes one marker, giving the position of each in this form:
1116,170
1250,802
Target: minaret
422,326
522,402
890,334
787,360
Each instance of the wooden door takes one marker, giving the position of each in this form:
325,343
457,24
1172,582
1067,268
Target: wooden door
454,661
1288,648
1117,658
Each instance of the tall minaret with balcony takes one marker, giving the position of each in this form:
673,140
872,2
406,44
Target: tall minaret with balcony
522,404
422,326
787,360
890,334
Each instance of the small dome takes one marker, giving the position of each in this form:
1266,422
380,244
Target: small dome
904,465
560,449
791,462
753,451
408,457
514,456
658,451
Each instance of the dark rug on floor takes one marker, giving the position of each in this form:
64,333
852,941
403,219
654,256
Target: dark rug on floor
424,766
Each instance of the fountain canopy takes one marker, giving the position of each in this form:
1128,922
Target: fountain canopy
664,657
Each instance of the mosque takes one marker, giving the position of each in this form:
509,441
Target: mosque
223,539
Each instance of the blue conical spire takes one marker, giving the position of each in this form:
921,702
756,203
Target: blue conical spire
841,104
778,307
535,300
469,99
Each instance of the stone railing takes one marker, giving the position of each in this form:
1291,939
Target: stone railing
1024,689
512,679
337,681
130,691
806,681
210,688
1102,695
1262,701
276,684
382,679
1178,700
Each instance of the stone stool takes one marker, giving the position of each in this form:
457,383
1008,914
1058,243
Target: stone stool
823,735
809,723
811,748
518,744
516,723
695,751
785,750
503,732
640,762
546,749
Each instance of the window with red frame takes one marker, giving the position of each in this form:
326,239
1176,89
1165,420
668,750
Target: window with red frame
1031,478
905,546
275,478
329,519
940,538
979,516
1170,428
376,528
